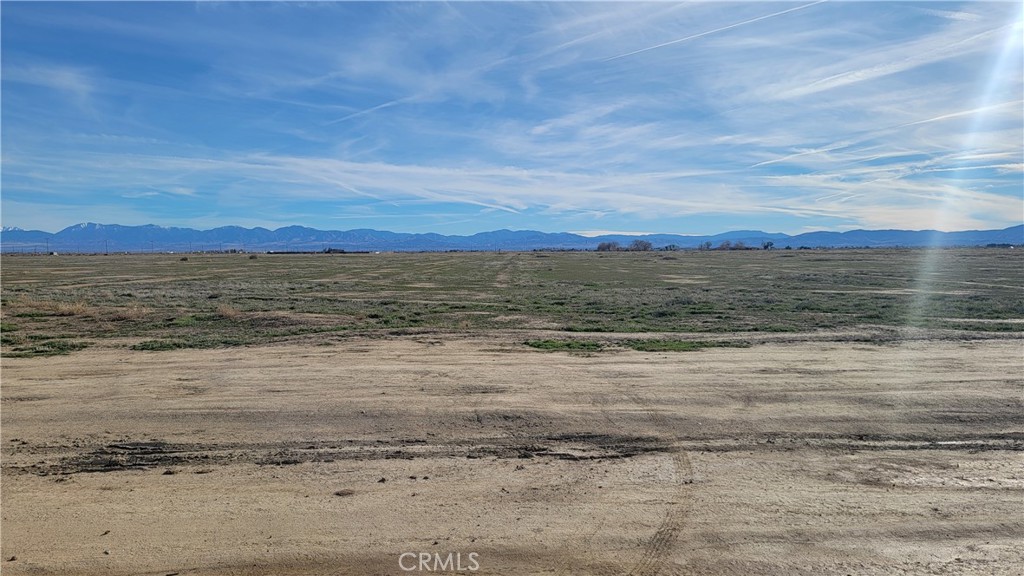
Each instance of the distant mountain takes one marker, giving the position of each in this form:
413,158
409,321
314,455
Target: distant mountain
91,237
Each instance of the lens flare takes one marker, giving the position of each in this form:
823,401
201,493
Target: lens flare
1004,75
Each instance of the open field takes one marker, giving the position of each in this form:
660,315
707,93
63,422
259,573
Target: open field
160,302
848,412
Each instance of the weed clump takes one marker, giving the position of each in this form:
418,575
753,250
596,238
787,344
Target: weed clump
681,345
569,345
158,345
53,347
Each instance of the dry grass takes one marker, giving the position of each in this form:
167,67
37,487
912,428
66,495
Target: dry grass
78,308
30,304
132,312
229,312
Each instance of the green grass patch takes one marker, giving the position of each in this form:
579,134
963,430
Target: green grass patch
159,345
189,320
8,327
177,344
567,345
773,328
681,345
46,348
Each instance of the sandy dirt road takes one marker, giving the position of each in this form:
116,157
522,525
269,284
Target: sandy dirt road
784,458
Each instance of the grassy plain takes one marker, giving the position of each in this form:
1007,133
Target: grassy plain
58,304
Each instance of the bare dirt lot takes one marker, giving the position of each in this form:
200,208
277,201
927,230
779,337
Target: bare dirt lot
783,458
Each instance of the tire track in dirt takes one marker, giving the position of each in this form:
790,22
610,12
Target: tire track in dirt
661,545
570,551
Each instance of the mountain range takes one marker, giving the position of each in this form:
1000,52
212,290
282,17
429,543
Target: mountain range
97,238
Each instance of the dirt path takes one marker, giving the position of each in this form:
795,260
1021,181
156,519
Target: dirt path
784,458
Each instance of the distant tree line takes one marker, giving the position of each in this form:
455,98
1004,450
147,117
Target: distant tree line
645,246
730,245
634,246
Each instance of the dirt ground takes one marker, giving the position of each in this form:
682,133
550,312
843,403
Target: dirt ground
784,458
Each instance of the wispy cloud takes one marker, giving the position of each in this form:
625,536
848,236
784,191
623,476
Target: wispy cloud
75,82
589,116
869,199
952,14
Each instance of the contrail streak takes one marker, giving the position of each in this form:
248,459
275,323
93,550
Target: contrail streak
865,136
970,112
367,111
702,34
829,148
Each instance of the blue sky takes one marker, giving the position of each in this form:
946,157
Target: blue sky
464,117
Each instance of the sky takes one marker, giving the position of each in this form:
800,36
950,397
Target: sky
462,117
